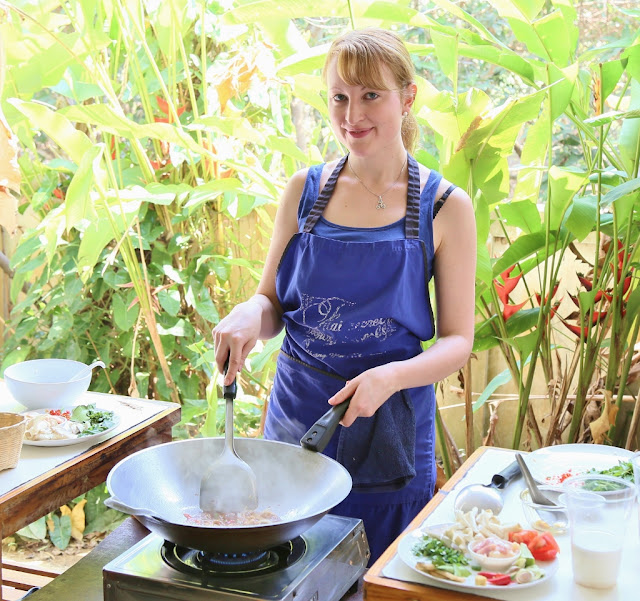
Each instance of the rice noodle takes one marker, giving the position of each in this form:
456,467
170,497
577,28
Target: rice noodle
227,519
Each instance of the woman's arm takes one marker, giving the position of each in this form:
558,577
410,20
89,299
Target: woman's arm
455,267
260,317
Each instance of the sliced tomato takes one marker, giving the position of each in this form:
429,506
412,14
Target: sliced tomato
544,547
522,536
541,544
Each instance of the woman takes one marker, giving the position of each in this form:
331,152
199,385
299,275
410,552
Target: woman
354,245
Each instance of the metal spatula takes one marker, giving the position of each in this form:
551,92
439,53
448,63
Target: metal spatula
229,484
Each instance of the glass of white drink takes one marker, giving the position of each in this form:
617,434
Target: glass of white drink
599,509
635,462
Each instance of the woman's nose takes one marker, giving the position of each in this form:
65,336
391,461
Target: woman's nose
354,113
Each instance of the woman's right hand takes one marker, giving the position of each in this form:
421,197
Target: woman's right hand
235,336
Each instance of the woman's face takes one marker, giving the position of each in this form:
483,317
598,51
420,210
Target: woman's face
366,120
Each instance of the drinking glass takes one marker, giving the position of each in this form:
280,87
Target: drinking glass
635,462
599,509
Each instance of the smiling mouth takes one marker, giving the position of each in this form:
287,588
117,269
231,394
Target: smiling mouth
358,132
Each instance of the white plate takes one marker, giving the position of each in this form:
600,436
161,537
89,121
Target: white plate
548,464
405,552
63,442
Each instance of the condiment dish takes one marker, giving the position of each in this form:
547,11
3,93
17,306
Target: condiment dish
493,554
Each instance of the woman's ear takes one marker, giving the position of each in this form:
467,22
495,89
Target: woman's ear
409,96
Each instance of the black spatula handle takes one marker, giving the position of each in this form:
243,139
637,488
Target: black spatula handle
229,392
319,435
511,472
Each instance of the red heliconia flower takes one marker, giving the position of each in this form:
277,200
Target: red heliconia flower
577,330
160,163
504,289
58,193
163,105
509,310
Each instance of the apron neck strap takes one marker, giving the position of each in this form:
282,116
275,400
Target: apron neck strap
412,219
324,196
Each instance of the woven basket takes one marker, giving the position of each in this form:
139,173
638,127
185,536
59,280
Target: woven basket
12,428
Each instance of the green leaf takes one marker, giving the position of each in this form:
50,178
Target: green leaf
564,183
611,73
630,130
307,88
619,191
446,47
611,116
563,82
170,301
483,264
56,126
581,216
205,307
522,321
556,37
500,380
260,360
61,533
36,530
253,12
523,214
502,57
286,146
525,10
521,248
79,201
179,329
172,273
239,128
124,315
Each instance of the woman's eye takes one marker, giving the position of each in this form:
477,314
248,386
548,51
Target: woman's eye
371,95
338,97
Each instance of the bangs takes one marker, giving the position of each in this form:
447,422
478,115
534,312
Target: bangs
357,65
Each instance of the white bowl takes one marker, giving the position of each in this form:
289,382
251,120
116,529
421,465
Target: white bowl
43,383
494,564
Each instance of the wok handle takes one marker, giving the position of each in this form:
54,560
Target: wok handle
118,505
319,435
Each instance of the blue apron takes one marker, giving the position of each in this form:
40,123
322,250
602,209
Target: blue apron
349,306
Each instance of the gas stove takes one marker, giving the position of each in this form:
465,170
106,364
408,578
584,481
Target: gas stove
320,565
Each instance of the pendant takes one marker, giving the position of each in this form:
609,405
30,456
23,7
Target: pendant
381,204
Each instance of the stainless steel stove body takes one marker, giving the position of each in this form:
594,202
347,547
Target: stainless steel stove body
320,565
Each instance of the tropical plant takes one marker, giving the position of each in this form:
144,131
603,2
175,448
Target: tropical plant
150,129
140,162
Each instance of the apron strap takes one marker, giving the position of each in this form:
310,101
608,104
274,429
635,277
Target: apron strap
412,219
323,198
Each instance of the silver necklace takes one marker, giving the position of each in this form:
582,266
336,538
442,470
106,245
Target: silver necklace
380,204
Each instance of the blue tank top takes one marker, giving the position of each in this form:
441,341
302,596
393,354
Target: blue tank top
393,231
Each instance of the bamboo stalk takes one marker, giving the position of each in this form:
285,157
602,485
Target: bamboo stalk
468,404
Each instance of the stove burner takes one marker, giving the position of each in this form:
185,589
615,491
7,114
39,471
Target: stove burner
213,565
231,562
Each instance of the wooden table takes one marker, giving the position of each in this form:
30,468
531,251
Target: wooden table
378,587
389,579
58,484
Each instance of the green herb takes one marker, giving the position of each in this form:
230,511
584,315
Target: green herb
624,470
96,420
438,552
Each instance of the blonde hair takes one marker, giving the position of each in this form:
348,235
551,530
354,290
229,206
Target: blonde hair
361,55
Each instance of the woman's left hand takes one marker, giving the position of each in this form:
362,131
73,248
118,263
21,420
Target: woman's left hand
368,392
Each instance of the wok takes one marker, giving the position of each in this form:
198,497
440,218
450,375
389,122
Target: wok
297,485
